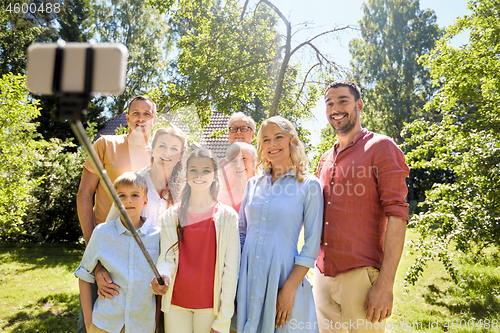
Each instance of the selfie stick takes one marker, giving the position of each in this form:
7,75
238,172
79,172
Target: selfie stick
72,107
228,187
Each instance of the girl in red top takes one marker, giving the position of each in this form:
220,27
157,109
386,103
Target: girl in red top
199,257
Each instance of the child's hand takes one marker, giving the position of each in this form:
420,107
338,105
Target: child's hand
157,288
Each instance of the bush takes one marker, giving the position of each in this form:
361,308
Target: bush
52,215
38,179
18,150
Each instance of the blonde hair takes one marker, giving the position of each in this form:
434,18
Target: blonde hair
130,179
298,159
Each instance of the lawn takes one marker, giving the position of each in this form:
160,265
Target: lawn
39,293
435,301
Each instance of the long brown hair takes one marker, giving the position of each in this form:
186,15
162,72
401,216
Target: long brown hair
174,184
186,191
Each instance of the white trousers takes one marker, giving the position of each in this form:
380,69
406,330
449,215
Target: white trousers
181,320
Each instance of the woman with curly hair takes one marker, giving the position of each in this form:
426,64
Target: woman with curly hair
274,294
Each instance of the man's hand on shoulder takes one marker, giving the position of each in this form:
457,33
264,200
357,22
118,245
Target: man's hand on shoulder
105,285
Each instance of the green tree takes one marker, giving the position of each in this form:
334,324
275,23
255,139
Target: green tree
18,144
16,34
75,20
18,30
394,33
288,69
139,27
328,138
395,86
146,34
73,23
232,58
225,58
37,178
466,141
52,214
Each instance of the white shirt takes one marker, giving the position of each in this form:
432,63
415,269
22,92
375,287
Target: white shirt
155,207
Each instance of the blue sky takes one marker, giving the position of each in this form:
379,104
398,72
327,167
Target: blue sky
323,15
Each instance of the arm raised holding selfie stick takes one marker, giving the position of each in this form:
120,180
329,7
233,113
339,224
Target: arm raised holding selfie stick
71,106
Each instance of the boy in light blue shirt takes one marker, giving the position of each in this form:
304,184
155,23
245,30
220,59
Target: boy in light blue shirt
112,244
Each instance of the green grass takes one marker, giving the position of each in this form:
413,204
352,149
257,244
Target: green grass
436,299
39,293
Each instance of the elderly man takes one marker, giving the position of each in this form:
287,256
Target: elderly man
118,154
241,128
365,217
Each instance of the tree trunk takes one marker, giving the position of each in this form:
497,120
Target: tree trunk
281,77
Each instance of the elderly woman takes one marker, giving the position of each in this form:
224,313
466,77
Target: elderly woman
240,168
241,128
274,294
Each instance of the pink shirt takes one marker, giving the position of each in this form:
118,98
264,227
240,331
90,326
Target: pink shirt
229,194
363,184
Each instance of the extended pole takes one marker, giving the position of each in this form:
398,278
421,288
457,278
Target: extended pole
77,127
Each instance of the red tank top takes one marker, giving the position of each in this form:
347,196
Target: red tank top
194,281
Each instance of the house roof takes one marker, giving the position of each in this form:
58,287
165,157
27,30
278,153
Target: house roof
218,122
111,125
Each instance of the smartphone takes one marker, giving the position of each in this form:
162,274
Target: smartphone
109,72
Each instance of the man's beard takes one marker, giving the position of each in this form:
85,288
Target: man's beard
347,127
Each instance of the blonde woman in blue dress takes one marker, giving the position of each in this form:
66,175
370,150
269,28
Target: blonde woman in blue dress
274,294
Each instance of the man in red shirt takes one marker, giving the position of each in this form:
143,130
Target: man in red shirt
365,220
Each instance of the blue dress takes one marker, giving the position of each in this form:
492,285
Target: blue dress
271,218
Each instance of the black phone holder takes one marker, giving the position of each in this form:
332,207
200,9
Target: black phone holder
72,105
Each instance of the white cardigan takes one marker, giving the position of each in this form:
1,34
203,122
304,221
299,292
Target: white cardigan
227,262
